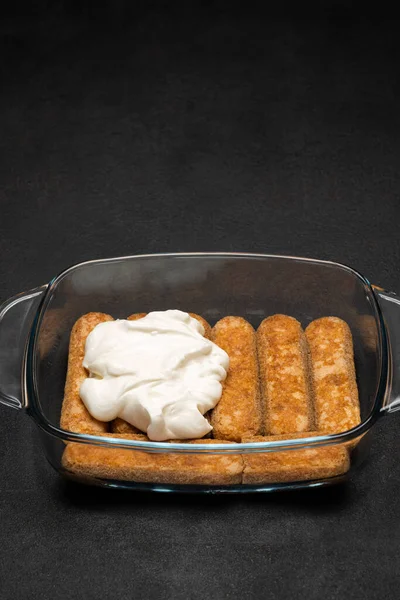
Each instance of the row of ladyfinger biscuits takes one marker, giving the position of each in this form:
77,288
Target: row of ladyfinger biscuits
307,379
278,355
74,415
280,379
96,462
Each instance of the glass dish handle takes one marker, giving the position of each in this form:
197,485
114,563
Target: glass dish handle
389,303
16,318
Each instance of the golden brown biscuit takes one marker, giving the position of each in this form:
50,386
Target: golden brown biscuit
284,374
146,467
74,415
304,464
136,316
121,426
337,407
238,411
207,326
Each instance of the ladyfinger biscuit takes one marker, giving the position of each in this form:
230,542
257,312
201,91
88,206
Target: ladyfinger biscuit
207,327
145,467
337,407
284,374
136,316
238,411
74,415
304,464
122,426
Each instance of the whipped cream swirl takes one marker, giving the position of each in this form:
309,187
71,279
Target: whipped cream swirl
158,373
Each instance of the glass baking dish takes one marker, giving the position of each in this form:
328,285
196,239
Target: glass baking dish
35,327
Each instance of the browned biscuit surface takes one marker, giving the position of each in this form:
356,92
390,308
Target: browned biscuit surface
337,407
304,464
238,411
284,374
135,465
122,426
74,415
207,327
136,316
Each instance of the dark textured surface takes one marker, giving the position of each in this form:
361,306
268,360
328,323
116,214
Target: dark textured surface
181,130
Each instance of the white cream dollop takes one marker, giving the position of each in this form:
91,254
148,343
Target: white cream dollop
158,373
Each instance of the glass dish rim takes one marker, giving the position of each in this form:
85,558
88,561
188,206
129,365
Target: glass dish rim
30,391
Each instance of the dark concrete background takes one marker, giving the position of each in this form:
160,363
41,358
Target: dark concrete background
169,127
